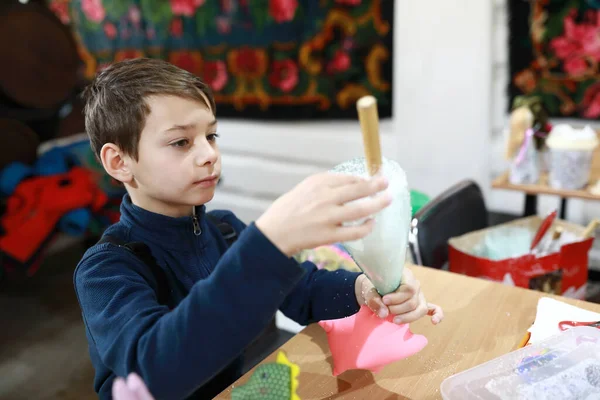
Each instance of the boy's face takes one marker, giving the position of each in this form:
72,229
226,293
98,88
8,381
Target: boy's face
179,163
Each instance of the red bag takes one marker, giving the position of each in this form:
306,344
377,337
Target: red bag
562,273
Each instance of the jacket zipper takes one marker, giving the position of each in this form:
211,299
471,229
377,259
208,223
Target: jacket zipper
196,223
197,232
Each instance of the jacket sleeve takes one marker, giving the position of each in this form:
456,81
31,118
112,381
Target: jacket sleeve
319,295
177,351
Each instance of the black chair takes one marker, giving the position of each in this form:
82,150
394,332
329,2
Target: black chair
458,210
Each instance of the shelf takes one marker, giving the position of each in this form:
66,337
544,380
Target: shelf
542,187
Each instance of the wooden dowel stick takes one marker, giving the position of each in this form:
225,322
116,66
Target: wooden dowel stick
369,124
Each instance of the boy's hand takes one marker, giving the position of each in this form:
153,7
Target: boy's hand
312,214
407,303
132,389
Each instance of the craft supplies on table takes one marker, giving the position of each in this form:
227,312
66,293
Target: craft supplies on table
483,321
557,265
551,314
564,325
564,366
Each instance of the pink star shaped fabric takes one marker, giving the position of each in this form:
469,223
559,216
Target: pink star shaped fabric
365,341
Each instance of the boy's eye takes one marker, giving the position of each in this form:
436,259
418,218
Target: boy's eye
212,137
180,143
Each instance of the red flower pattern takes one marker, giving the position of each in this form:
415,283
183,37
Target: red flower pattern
283,10
339,63
284,75
185,7
580,41
575,66
135,15
110,30
61,10
190,61
247,61
215,75
93,10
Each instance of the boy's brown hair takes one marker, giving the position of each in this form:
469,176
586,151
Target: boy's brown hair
115,102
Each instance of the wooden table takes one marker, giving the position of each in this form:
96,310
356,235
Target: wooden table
483,321
533,190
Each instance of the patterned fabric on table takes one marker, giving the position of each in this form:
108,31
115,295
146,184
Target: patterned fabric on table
264,59
330,257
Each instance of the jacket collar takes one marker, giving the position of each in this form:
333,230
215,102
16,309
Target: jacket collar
170,232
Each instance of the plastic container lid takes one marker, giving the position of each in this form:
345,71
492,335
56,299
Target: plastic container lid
565,366
565,137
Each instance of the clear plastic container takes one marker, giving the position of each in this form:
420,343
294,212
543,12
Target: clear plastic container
563,367
571,153
570,169
527,169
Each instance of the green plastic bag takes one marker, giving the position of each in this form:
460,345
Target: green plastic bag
417,201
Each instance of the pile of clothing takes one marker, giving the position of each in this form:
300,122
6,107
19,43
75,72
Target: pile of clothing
64,190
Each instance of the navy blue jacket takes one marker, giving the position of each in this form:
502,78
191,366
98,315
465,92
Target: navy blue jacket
222,299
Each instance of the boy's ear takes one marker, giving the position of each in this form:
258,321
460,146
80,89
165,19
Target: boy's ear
116,163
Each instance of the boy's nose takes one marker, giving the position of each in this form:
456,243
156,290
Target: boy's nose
206,155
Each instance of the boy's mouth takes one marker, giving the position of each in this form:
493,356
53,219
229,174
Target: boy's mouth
208,181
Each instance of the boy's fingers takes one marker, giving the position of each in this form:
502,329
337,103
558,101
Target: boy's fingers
404,293
334,180
137,385
374,302
364,209
436,313
412,316
354,232
406,307
120,391
357,190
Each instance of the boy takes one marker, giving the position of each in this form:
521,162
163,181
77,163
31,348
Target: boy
153,127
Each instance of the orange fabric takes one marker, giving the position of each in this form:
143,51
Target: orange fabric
37,205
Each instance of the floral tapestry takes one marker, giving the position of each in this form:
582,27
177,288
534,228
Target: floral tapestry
554,54
263,59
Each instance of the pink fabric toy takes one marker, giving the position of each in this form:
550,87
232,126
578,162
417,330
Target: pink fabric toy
365,341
